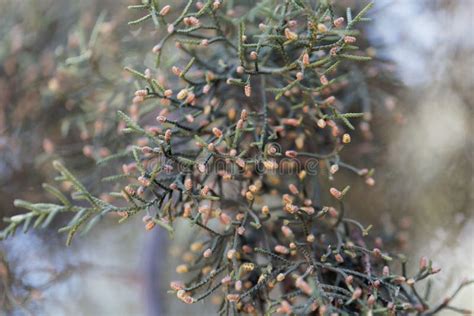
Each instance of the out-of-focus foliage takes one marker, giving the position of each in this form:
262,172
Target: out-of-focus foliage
61,82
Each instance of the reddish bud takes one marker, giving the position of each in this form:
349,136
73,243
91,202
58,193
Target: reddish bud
150,225
303,286
305,59
225,219
176,285
335,193
231,253
286,231
371,300
349,279
248,90
217,132
293,189
356,294
324,80
281,249
349,39
423,263
168,93
165,10
161,119
207,253
338,22
156,49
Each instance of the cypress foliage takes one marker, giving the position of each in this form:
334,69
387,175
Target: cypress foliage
253,105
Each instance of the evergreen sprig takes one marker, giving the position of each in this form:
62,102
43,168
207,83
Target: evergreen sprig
248,128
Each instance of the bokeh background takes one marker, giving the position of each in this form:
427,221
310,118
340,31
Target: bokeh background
61,80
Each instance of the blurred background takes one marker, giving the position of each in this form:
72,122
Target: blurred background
61,81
